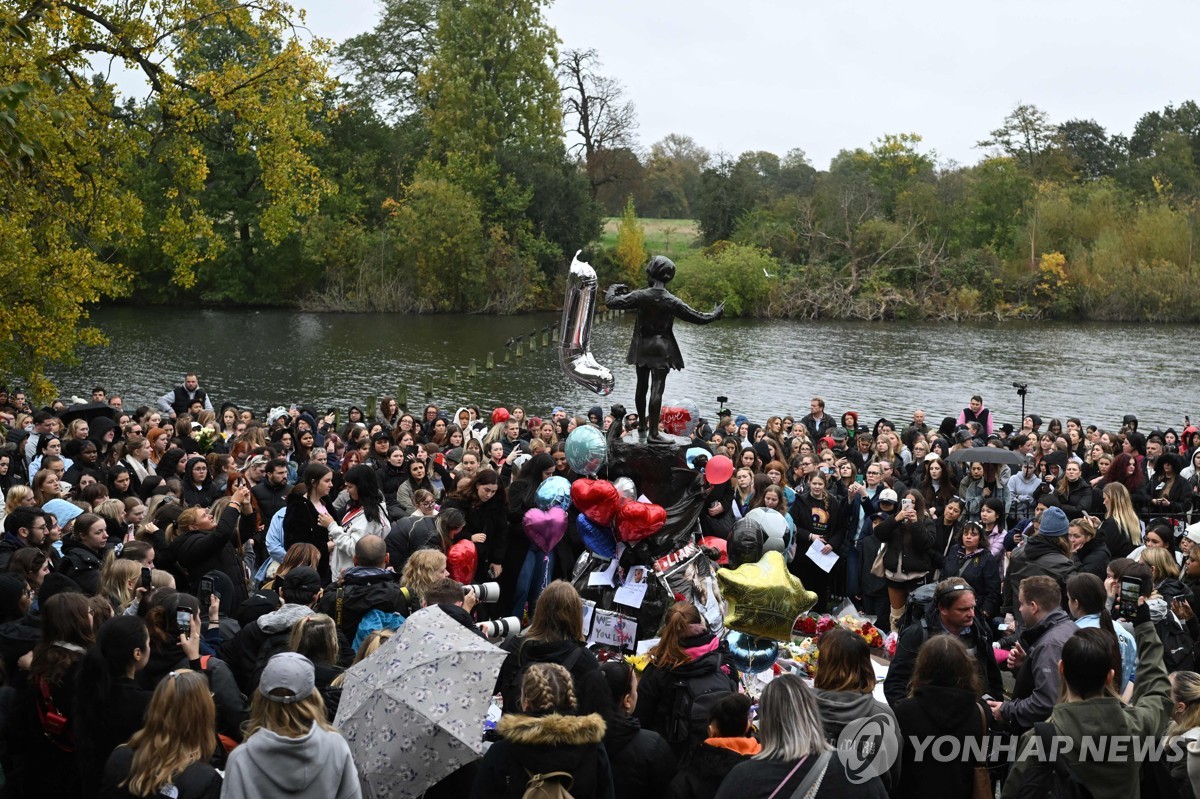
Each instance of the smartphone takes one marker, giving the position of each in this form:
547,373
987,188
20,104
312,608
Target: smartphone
1131,589
183,620
146,581
204,592
906,503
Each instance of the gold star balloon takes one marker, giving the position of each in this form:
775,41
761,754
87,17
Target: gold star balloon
764,598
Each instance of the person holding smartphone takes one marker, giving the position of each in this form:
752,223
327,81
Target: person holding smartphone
910,541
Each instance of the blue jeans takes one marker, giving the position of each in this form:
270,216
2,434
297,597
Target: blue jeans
533,578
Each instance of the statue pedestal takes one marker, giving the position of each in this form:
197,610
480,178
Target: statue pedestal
648,464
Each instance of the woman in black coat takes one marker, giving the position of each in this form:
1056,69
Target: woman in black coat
642,763
1088,551
202,544
308,518
818,517
482,503
909,555
971,560
1074,492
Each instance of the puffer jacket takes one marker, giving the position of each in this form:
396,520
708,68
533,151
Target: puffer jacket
541,744
198,552
642,763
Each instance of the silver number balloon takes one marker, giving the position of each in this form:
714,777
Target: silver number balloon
579,308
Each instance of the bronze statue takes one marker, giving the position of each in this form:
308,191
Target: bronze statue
654,350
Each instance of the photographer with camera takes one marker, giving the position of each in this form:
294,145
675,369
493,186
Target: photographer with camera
455,600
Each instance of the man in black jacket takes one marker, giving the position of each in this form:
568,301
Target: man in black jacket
247,654
271,492
952,613
367,585
24,527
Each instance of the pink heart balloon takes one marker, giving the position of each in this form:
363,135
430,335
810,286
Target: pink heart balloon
545,528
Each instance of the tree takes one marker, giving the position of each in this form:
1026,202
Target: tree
595,110
1090,152
387,62
672,180
630,251
67,205
1027,137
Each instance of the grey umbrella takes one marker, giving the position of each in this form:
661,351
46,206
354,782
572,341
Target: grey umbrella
413,712
986,455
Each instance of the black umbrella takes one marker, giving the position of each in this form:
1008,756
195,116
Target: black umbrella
87,410
986,455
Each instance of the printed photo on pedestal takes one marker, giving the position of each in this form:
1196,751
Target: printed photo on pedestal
689,575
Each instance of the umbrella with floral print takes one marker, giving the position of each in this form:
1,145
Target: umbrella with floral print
413,711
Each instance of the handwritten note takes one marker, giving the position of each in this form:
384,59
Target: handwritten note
613,629
588,607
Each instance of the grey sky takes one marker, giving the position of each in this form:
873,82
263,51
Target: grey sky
822,76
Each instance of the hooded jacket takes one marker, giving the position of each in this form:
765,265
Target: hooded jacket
590,689
933,711
642,762
192,495
542,744
319,766
839,708
708,764
247,654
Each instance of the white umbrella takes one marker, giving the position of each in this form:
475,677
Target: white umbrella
413,712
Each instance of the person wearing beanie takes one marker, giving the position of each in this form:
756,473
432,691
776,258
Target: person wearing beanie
290,748
1046,553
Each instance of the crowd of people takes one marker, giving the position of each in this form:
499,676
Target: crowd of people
182,587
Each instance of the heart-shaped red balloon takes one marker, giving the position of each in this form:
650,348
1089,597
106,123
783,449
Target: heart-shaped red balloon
599,499
545,528
638,520
462,561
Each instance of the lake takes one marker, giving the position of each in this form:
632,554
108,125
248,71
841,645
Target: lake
273,357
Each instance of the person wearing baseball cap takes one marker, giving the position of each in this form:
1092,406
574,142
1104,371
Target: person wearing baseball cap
290,748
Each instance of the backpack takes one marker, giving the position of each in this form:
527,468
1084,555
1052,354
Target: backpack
549,785
916,607
1178,646
692,701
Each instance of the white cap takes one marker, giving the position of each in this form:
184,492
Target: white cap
888,495
1192,533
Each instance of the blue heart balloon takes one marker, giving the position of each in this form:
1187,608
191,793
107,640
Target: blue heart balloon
554,492
750,654
597,538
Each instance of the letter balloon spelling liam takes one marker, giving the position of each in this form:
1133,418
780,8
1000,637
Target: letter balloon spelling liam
654,350
579,307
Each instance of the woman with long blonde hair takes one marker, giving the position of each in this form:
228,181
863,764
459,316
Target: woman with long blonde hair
287,726
1121,529
173,748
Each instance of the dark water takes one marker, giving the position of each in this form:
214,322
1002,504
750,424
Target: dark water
261,358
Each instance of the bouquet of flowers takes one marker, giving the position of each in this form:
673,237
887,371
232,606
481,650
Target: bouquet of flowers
804,653
812,626
857,624
204,439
